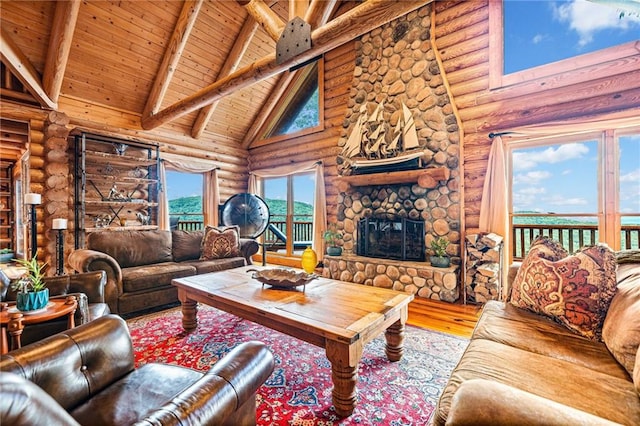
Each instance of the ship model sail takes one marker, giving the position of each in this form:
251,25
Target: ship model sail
372,146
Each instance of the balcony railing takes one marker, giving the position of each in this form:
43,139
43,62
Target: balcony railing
275,235
572,237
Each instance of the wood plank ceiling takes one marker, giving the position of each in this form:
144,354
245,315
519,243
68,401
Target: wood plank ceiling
155,60
117,50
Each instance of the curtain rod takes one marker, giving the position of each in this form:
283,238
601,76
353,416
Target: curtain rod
493,135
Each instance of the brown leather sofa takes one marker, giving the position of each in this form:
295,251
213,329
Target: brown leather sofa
88,288
86,376
141,264
522,368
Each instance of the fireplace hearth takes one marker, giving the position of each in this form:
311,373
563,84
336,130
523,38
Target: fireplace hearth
399,238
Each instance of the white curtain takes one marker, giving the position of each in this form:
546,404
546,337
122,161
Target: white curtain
494,208
320,198
210,190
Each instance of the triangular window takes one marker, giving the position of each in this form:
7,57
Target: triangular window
300,108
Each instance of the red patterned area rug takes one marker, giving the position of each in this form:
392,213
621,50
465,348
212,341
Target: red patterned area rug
299,390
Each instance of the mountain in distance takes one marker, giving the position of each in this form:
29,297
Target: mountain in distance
278,208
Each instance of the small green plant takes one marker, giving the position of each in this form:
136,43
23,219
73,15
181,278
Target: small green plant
6,251
33,279
439,246
332,235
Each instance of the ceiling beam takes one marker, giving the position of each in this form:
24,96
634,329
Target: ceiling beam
266,17
317,14
21,67
360,20
60,42
243,40
172,55
298,8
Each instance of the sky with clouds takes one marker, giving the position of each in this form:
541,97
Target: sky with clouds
542,31
564,178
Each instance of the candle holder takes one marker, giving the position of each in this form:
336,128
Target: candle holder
33,200
59,225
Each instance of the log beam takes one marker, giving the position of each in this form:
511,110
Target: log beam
360,20
60,42
172,55
243,40
298,8
267,18
22,68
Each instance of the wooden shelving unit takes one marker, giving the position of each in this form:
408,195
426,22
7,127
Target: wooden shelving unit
6,205
117,185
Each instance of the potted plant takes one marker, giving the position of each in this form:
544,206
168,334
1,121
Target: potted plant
332,236
440,258
6,254
31,290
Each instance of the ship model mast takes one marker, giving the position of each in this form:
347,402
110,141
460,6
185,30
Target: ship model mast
372,146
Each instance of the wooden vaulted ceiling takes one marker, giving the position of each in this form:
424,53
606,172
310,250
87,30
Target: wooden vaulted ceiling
201,69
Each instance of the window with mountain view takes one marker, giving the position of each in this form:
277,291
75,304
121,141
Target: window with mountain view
566,189
300,108
290,200
184,192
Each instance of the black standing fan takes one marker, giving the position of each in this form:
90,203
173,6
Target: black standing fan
250,213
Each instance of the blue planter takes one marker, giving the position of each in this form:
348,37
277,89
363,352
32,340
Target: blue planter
440,261
334,251
33,300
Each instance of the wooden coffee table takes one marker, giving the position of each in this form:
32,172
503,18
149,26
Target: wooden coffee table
338,316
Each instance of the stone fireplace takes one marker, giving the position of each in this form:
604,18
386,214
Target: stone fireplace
396,66
396,238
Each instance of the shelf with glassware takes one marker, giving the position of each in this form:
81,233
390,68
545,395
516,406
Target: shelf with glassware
6,205
117,185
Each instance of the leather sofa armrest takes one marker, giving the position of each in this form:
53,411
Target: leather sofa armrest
85,260
230,383
480,402
24,403
248,247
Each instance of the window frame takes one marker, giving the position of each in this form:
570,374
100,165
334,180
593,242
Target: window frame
289,248
608,209
530,80
282,104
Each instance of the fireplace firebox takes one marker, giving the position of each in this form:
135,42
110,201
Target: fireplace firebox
398,238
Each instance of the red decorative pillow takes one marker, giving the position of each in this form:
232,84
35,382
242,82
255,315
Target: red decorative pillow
574,290
219,243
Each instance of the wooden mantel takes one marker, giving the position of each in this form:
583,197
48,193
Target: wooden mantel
426,178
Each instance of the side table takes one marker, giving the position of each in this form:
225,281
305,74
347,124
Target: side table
14,321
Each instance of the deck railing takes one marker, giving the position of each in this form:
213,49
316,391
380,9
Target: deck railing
572,237
275,235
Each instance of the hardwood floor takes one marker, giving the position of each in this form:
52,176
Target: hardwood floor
452,318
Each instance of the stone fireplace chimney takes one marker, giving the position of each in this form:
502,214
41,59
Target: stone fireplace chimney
396,64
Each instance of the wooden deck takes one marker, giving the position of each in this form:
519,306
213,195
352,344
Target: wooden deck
452,318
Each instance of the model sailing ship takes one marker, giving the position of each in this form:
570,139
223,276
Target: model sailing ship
373,147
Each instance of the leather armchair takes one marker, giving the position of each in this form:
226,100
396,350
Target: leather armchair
86,376
88,288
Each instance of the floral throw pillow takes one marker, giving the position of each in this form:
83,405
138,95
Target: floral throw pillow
574,290
219,243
